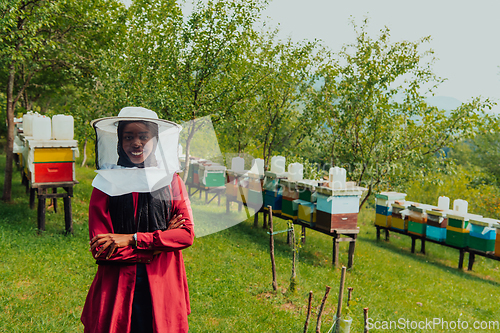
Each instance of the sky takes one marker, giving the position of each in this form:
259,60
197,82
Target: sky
463,32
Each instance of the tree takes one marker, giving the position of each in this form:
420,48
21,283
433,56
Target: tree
274,118
483,151
376,118
188,69
43,38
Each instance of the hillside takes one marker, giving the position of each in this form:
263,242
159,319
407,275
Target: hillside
44,278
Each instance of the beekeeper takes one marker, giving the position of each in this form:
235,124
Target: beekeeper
140,219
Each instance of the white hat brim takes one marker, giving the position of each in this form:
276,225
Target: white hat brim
110,124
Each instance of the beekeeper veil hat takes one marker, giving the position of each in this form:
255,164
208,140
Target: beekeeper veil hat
117,174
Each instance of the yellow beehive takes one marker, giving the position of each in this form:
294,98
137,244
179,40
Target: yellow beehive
53,155
383,220
399,223
304,212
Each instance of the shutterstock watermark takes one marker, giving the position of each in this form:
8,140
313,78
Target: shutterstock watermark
432,324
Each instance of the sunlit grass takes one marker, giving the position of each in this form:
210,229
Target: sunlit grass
44,278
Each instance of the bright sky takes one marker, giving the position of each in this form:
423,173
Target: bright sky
464,34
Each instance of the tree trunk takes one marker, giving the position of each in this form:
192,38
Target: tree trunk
366,197
84,151
191,132
7,186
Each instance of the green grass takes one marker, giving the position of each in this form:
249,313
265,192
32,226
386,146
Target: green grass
44,278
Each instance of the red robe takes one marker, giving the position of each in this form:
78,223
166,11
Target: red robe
108,307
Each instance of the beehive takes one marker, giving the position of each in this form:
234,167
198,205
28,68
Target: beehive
482,234
337,201
330,222
50,161
306,188
497,242
306,211
457,237
212,175
383,207
435,233
273,199
417,219
289,189
254,199
289,208
399,217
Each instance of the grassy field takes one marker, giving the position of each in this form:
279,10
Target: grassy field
44,278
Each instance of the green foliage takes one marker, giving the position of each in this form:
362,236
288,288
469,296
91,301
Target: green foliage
483,151
458,182
374,105
273,118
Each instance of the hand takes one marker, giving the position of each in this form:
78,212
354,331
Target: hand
111,241
176,222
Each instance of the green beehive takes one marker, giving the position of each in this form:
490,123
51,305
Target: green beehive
306,188
416,228
289,208
212,174
458,239
485,245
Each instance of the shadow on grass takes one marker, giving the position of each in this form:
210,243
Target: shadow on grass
426,259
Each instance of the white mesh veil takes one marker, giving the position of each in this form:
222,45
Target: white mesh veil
117,180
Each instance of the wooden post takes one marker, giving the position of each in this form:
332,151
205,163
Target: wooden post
271,245
293,278
472,258
422,245
68,218
308,311
341,296
352,247
335,254
320,311
461,259
365,310
349,292
41,210
54,200
256,219
33,193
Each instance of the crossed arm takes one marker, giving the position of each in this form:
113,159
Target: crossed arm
106,245
111,241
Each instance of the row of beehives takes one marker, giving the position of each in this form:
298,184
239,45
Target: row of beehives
455,227
327,205
46,148
211,174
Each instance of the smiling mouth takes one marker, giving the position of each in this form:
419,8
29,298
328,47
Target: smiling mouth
136,153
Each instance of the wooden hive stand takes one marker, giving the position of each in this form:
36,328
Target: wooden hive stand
41,191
